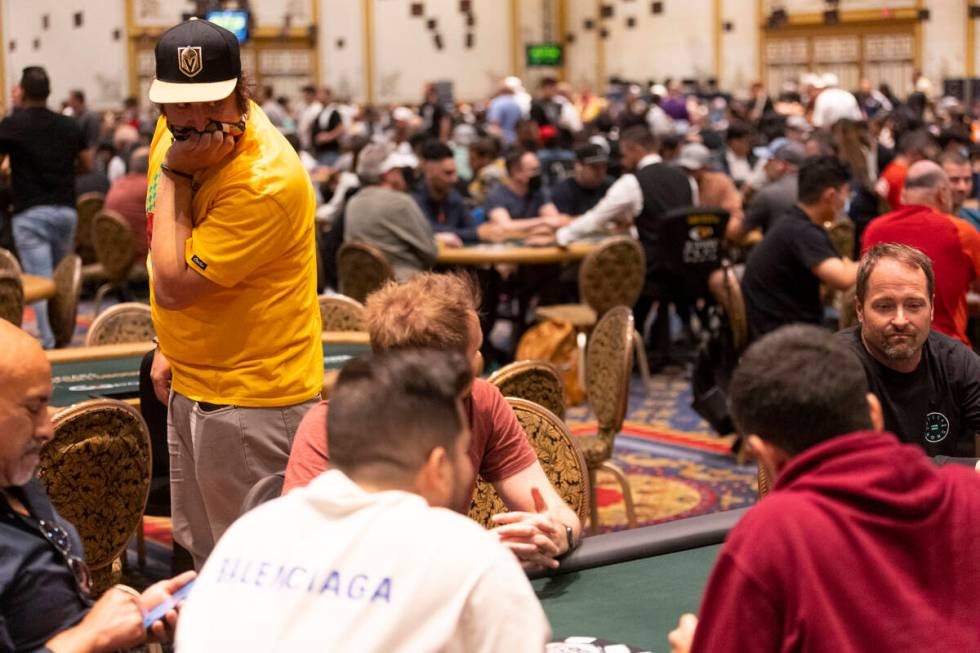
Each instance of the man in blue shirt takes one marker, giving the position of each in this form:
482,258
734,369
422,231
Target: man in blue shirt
503,114
439,200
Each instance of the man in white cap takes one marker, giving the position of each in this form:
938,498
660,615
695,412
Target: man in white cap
383,214
833,103
711,188
233,265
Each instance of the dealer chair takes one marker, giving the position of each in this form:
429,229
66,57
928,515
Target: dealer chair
121,323
63,307
609,361
535,380
11,297
341,313
610,275
266,489
362,269
96,471
560,458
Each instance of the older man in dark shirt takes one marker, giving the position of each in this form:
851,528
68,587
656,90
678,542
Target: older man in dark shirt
44,593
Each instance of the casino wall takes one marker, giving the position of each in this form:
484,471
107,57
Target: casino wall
383,50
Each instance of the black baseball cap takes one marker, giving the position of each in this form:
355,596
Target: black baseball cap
590,154
197,61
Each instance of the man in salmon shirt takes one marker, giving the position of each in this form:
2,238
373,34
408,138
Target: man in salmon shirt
439,311
233,267
863,544
925,223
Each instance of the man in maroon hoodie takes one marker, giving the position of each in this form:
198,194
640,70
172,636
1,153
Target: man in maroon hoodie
863,544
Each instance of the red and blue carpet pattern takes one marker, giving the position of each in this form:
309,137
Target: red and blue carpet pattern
676,466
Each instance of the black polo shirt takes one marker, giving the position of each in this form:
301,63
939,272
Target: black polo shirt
449,215
43,147
937,406
571,198
39,597
778,285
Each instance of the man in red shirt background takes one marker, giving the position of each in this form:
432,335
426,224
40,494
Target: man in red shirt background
913,147
127,197
952,243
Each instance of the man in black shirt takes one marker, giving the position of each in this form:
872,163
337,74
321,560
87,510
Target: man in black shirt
44,149
327,130
452,223
589,182
928,383
783,274
44,600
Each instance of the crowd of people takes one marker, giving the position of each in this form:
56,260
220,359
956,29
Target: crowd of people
865,541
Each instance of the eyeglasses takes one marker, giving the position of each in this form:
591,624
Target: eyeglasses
58,537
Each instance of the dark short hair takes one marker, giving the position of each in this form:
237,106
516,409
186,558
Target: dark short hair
434,150
488,147
909,256
797,387
639,135
78,95
513,158
390,410
817,174
737,130
35,83
915,141
547,81
955,158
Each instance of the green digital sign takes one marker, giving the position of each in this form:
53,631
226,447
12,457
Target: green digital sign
541,55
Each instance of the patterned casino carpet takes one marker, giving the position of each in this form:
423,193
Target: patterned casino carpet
676,467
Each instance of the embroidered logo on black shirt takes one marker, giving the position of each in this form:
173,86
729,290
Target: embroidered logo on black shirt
199,263
937,427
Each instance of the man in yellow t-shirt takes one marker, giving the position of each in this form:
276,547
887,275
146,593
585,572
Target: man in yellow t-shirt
233,265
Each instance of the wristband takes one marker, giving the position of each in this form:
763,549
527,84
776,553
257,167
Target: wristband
166,168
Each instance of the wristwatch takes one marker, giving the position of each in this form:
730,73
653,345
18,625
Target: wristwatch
570,534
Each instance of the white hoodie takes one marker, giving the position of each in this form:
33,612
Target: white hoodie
330,567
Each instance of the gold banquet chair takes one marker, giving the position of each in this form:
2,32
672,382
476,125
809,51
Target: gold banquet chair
609,362
63,307
115,247
96,472
560,458
535,380
87,205
8,261
121,323
610,275
362,269
341,313
11,297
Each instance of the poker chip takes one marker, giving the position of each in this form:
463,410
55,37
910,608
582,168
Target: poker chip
580,644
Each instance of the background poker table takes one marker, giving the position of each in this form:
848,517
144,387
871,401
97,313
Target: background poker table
632,586
113,371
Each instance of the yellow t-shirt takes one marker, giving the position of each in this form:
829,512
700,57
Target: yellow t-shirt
256,342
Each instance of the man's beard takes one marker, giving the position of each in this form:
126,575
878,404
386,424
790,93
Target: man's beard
899,349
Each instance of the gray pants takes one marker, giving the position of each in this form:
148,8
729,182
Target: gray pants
216,456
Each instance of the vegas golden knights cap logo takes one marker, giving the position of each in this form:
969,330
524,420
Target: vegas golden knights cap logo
189,60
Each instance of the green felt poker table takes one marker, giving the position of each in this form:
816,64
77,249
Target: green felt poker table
632,586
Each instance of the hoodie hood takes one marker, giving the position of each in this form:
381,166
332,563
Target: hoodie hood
871,472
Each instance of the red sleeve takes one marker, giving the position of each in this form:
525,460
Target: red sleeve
308,457
969,243
507,450
736,614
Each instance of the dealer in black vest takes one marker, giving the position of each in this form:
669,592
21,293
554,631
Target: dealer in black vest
928,383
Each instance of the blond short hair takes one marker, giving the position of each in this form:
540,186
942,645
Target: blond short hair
429,310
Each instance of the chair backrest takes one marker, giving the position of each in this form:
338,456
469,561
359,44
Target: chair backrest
608,366
362,269
847,308
765,483
87,205
842,235
535,380
114,244
340,313
126,322
266,489
8,261
63,307
96,471
560,458
612,274
693,237
734,304
11,297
